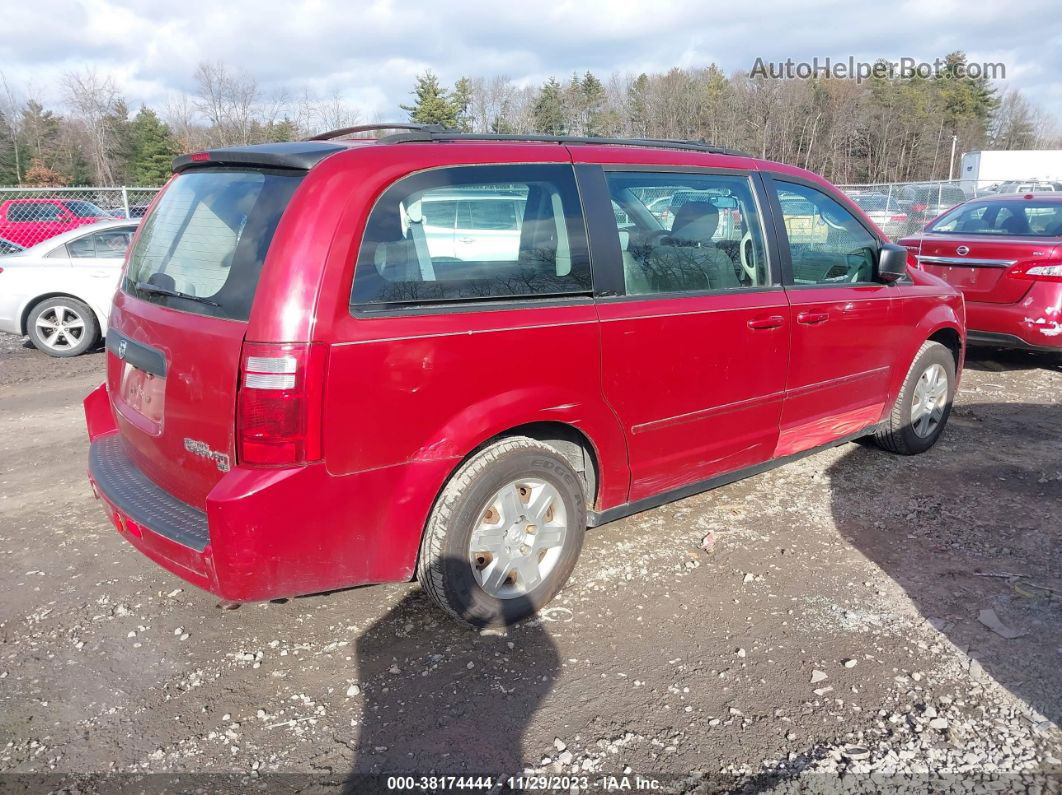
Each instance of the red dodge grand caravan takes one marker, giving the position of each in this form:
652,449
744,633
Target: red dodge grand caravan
443,356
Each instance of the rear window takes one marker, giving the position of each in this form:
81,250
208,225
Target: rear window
83,209
1009,218
207,239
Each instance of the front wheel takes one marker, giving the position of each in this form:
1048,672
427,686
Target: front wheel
922,408
505,533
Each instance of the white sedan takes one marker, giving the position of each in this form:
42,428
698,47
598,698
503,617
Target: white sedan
58,293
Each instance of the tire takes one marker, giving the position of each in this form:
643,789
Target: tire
70,325
932,372
482,506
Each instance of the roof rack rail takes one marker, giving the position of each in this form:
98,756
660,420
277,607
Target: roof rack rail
343,132
437,133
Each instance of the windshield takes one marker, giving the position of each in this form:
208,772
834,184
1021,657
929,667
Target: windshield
1010,218
207,238
83,209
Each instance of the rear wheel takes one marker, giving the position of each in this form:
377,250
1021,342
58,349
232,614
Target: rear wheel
922,408
62,327
505,533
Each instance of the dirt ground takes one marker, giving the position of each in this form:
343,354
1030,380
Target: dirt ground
832,627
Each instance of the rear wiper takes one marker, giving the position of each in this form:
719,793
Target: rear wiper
144,287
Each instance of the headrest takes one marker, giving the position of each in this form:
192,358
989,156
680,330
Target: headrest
1016,225
695,222
415,211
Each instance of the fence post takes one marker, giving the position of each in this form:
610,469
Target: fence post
125,200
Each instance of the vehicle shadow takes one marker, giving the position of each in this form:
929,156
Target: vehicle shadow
441,698
997,547
996,360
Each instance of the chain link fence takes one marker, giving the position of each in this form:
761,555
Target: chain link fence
29,216
903,208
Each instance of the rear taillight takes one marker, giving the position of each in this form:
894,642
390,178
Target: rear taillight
1036,272
898,218
919,207
278,420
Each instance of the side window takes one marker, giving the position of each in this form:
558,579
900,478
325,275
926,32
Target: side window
110,244
440,213
826,242
34,211
513,232
82,246
687,232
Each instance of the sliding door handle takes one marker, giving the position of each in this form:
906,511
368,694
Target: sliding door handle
813,318
774,321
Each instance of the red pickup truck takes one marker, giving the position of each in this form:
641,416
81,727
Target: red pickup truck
31,221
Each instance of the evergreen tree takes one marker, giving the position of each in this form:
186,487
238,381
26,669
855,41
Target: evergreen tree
638,106
120,148
153,149
41,132
593,106
548,111
283,130
14,154
432,104
462,104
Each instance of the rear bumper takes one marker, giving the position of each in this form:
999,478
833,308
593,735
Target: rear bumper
1034,322
267,533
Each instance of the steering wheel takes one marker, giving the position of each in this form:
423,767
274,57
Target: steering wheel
745,255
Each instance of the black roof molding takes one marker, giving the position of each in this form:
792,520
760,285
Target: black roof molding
343,132
435,132
294,154
306,154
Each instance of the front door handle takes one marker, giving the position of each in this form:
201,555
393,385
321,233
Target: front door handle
466,240
774,321
812,318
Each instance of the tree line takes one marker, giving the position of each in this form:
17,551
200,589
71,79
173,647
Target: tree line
881,129
884,129
91,136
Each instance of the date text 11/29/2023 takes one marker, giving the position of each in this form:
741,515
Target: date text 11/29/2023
599,783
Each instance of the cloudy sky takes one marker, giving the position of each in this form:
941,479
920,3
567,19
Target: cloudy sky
371,51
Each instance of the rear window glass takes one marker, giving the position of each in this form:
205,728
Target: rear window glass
207,239
83,209
1007,218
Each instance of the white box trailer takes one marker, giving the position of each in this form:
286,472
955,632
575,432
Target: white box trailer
988,167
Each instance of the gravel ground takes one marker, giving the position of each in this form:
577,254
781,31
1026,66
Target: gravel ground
822,618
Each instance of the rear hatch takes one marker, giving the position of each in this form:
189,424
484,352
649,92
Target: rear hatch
179,319
978,265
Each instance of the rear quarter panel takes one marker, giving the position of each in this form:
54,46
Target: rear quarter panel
432,387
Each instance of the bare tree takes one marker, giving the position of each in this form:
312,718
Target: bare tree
333,113
228,101
93,100
11,109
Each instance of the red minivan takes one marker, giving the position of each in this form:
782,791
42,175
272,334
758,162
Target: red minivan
443,356
1005,253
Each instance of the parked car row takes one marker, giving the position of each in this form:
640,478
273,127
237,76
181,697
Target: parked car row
58,293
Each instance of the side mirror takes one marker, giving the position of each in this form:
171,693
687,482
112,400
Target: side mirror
892,263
